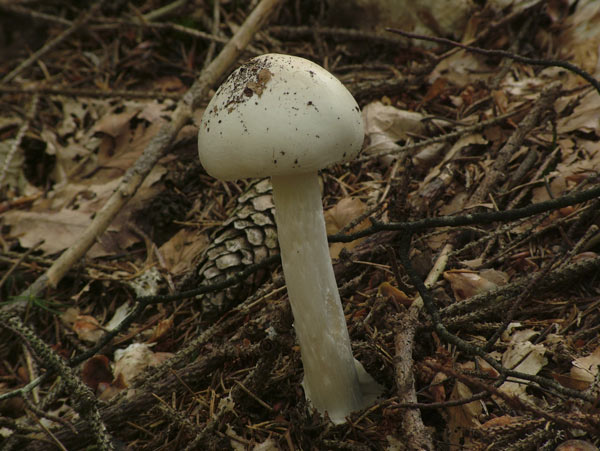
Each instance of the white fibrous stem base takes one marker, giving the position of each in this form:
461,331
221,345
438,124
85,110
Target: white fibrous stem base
334,382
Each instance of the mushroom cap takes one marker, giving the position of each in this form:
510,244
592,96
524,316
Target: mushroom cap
278,115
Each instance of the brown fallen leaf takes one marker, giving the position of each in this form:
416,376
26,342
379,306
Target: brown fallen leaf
339,216
466,283
585,368
464,417
388,290
96,370
498,421
88,328
576,445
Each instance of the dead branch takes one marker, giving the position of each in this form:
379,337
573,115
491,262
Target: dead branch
16,143
463,345
136,174
82,92
80,22
472,219
85,403
504,54
406,326
498,170
124,408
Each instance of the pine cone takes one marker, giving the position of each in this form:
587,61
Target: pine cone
249,236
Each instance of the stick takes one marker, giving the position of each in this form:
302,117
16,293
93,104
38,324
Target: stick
415,431
80,22
155,149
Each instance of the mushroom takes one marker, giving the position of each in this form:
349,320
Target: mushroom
286,117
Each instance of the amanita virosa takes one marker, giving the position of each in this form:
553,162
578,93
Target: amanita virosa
286,117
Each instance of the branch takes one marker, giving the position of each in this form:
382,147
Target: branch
471,219
465,346
504,54
136,174
80,22
85,403
498,170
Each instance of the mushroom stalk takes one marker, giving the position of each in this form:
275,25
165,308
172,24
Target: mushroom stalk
331,380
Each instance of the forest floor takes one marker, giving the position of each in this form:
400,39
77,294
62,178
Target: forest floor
143,301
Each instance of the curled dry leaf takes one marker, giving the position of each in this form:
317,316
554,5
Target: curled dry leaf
523,356
95,371
339,216
576,445
161,329
466,283
87,328
134,359
436,387
504,420
585,369
463,417
183,250
385,125
391,292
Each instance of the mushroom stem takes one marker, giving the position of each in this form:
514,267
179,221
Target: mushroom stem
331,381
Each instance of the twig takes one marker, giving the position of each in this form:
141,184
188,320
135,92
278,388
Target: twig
482,304
175,27
143,302
136,174
164,10
347,34
122,407
441,138
514,401
36,15
504,54
215,30
532,120
85,403
83,92
471,219
16,143
412,423
19,261
80,22
466,347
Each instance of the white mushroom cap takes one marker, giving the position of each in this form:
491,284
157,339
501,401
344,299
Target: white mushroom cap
278,115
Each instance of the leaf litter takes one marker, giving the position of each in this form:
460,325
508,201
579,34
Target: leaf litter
80,147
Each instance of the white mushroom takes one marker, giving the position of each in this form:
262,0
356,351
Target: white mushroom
286,117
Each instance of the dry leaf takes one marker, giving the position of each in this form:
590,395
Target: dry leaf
586,368
436,387
183,250
388,290
96,370
498,421
575,383
522,356
579,41
339,216
161,329
134,359
464,417
386,124
466,283
87,328
576,445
